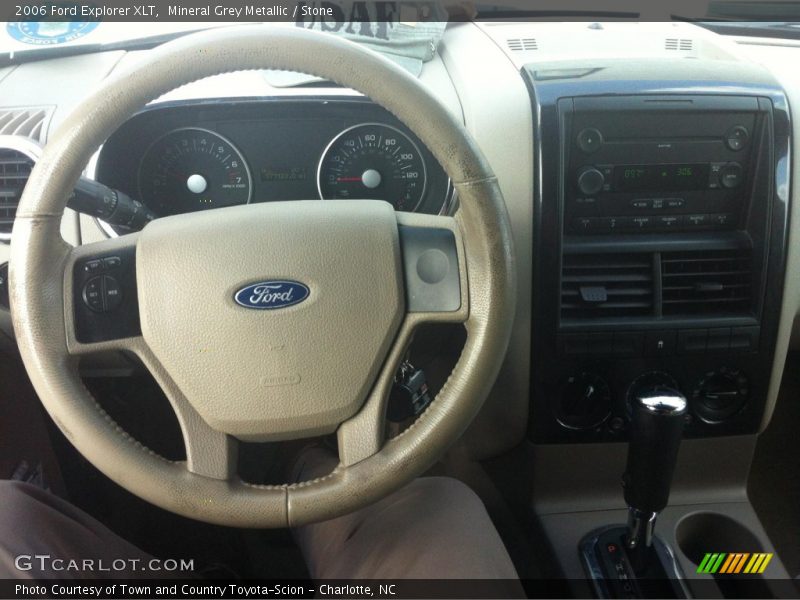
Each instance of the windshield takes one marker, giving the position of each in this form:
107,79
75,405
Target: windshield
406,31
410,36
26,36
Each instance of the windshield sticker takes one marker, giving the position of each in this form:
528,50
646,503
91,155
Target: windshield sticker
49,33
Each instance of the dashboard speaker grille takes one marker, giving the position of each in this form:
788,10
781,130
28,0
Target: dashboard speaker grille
15,168
606,286
716,282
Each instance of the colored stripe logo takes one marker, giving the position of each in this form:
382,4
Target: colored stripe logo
734,562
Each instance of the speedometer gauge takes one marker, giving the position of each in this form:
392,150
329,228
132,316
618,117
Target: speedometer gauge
373,161
193,169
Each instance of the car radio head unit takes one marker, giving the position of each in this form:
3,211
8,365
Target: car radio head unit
660,170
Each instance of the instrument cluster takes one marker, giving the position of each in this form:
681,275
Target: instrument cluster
190,157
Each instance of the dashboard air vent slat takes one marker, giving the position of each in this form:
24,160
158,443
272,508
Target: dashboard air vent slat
709,282
28,122
610,285
15,168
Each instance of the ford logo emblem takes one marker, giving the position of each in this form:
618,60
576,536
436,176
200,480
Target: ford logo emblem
268,295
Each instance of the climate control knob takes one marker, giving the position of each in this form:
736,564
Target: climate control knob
590,180
585,401
720,394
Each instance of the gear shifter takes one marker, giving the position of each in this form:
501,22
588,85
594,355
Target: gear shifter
630,562
656,427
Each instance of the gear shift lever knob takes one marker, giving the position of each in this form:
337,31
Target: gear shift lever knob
656,428
655,436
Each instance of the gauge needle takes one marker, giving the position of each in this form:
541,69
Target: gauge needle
349,179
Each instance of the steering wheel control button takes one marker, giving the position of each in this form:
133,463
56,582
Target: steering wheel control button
430,264
433,266
112,262
589,140
105,297
112,293
93,266
93,294
736,138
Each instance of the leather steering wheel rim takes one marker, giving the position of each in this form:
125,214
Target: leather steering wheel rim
40,288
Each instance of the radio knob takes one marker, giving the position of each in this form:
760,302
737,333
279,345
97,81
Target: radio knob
590,180
589,140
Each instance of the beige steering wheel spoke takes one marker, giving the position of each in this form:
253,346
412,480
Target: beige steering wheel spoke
362,435
209,453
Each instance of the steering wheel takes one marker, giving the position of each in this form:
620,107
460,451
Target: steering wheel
368,277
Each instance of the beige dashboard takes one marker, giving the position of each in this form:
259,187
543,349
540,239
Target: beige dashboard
476,75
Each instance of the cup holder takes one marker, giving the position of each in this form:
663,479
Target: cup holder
703,532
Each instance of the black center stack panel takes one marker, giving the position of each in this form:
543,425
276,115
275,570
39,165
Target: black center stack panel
660,232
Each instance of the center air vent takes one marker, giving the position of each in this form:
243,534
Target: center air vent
606,286
522,44
15,167
718,282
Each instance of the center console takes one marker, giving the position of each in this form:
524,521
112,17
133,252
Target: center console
661,215
660,228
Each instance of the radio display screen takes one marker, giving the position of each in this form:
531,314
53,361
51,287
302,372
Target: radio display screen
651,178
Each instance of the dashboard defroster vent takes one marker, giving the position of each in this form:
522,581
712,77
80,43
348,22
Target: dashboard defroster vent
718,282
522,44
606,286
684,45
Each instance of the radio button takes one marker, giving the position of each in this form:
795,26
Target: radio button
697,221
610,224
589,140
721,220
731,176
669,222
674,202
640,223
736,138
583,224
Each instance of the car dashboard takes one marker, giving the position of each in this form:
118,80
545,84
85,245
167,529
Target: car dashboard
649,174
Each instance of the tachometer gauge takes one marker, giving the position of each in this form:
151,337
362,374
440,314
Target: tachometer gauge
193,169
373,161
